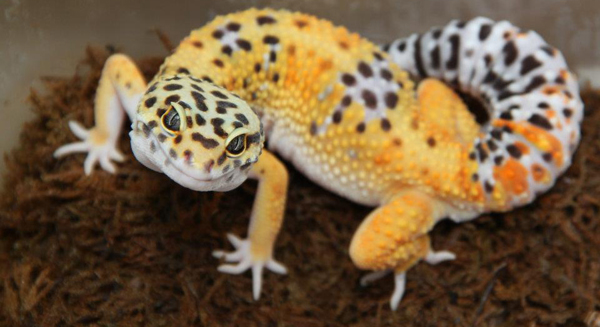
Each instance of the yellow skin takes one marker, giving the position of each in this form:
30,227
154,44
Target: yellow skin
331,102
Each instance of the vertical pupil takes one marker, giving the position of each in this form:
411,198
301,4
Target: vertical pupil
172,120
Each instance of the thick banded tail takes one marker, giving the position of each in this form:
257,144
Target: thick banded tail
531,97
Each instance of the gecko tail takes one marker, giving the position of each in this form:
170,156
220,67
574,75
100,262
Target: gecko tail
531,97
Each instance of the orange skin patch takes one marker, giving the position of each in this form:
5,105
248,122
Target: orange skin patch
541,138
512,175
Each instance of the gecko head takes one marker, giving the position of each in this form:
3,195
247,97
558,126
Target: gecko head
197,133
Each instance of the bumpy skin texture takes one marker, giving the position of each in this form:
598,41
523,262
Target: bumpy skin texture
343,112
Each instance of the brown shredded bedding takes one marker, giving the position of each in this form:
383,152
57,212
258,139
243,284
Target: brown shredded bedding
134,248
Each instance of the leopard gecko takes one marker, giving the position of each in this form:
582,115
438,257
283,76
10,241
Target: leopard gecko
349,115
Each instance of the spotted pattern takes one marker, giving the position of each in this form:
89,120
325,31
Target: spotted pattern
535,115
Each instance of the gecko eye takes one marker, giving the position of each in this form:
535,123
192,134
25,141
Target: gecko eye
171,121
237,146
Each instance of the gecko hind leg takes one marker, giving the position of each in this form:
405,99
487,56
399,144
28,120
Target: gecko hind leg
393,238
120,88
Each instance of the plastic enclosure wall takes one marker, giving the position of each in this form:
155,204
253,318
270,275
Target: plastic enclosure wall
44,38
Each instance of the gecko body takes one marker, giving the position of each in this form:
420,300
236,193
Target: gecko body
348,115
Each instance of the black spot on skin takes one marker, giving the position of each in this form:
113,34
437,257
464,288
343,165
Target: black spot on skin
418,59
275,78
492,145
183,70
221,158
238,163
198,44
208,143
270,39
150,102
472,156
370,99
543,105
346,101
200,121
226,104
361,127
178,139
217,123
226,169
514,151
218,94
162,137
152,124
547,156
510,53
172,87
313,128
401,46
242,119
377,55
146,130
218,63
568,112
221,111
385,124
217,34
262,20
431,142
506,129
337,117
207,79
199,98
535,83
348,80
272,56
436,33
506,115
568,94
233,26
490,77
528,64
488,60
160,112
171,98
152,147
227,50
488,187
498,160
386,47
435,58
365,70
152,88
254,138
560,80
300,24
484,31
257,67
197,88
548,50
386,74
497,134
237,124
391,100
173,154
188,121
452,63
460,24
243,44
483,155
475,177
540,121
184,105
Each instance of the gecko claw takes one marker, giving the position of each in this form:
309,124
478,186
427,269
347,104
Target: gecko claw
244,260
100,149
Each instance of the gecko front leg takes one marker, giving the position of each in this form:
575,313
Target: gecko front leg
256,252
120,88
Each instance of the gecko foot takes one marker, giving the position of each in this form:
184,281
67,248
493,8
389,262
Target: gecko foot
98,147
245,260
